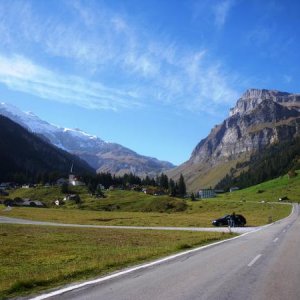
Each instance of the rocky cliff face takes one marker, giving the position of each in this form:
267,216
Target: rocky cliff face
260,118
253,97
252,129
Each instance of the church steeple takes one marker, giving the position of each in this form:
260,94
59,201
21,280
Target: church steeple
72,177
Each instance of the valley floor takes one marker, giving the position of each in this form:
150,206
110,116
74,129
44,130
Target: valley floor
199,214
34,258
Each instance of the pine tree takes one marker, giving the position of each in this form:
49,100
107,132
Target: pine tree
99,193
172,188
92,185
181,186
193,197
163,181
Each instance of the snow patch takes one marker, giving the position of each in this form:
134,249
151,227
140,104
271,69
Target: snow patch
51,131
79,133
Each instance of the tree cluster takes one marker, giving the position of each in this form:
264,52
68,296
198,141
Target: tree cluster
128,180
173,188
276,160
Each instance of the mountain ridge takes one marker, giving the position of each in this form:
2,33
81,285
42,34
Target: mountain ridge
24,155
101,155
260,118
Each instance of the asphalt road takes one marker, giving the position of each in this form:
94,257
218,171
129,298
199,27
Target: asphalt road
259,265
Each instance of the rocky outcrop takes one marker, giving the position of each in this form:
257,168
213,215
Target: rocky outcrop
253,97
250,131
260,118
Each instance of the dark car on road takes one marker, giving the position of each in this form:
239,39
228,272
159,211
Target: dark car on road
230,220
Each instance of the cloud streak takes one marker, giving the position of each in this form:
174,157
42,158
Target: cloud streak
213,13
129,66
221,11
23,75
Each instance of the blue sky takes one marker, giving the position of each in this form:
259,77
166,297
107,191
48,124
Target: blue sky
154,76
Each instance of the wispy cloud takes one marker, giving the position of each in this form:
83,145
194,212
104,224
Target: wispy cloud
129,65
212,12
287,78
23,75
221,11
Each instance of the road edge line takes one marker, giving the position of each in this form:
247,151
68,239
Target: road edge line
136,268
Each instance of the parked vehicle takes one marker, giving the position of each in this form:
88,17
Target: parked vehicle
230,220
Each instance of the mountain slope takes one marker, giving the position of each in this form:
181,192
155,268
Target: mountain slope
101,155
277,160
23,154
259,119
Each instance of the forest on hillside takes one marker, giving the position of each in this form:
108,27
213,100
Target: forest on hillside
274,161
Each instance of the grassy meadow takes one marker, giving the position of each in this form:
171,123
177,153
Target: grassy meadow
34,258
259,204
121,200
198,214
269,191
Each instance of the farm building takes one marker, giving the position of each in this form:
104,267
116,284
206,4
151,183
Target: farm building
207,193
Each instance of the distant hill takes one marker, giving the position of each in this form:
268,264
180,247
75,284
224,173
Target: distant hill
260,118
24,155
102,156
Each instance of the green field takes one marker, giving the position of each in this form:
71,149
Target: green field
259,204
269,191
199,214
34,258
117,200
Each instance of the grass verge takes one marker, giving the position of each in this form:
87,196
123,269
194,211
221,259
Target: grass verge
198,214
35,258
269,191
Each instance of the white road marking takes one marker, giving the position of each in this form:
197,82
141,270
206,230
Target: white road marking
144,266
275,240
254,260
140,267
284,230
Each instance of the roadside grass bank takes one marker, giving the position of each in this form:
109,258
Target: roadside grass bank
269,191
35,258
198,214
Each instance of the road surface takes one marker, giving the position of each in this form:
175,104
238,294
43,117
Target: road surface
262,265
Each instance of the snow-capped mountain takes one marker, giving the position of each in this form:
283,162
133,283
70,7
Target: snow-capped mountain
101,155
65,138
33,158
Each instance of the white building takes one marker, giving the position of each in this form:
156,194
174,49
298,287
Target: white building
207,193
73,180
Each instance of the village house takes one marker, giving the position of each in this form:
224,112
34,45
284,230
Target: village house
23,202
61,181
206,193
5,185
